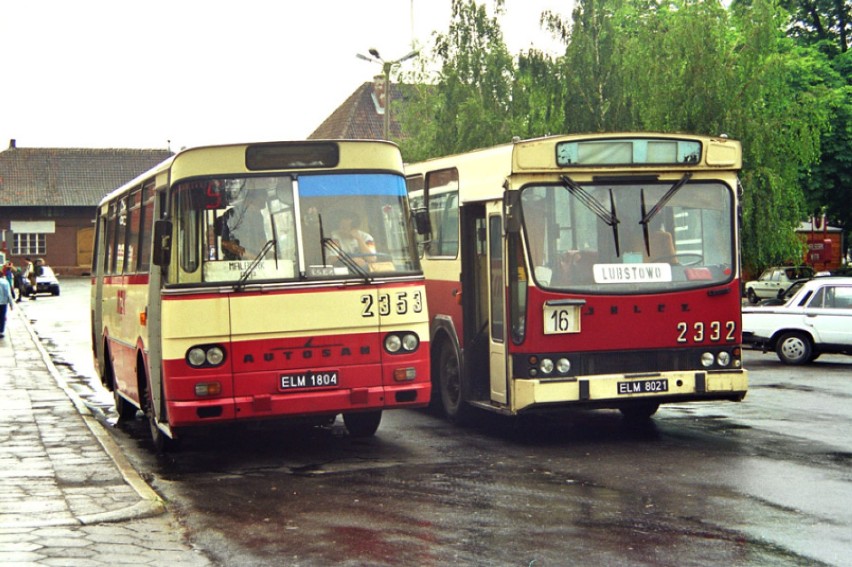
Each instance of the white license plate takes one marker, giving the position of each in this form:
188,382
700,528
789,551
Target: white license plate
643,386
310,379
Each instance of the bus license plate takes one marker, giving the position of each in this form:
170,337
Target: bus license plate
324,379
643,386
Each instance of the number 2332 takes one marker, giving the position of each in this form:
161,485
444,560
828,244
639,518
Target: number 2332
700,332
400,303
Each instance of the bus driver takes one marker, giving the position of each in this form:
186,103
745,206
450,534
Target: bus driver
242,227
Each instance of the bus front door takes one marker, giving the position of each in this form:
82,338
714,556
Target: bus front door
496,305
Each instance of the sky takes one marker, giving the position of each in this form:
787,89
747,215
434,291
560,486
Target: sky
183,73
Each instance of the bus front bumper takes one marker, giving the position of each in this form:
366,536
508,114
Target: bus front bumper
619,390
290,405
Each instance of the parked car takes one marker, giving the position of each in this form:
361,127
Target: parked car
775,279
816,320
784,295
45,283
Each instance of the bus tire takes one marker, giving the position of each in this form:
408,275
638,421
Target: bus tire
362,424
450,385
639,412
125,410
162,442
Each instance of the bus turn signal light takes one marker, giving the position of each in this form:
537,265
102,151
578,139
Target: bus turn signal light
204,389
404,374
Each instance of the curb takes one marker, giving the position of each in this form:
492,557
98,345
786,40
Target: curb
150,505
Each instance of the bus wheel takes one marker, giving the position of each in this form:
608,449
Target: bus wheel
162,442
362,424
639,412
125,410
794,348
450,385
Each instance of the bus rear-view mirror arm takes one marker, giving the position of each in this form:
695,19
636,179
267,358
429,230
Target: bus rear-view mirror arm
162,251
512,207
422,222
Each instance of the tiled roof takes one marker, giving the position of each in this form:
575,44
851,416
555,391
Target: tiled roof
63,177
358,119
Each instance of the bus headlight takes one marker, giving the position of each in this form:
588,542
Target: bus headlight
410,342
393,344
563,366
723,359
707,359
546,366
404,342
205,356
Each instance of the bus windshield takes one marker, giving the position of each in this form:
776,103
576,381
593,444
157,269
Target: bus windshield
629,238
282,227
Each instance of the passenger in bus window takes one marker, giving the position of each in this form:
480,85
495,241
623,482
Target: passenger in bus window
354,240
242,227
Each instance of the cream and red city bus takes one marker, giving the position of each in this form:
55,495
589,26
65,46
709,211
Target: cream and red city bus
596,271
223,292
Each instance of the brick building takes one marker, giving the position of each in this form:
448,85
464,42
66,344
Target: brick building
48,198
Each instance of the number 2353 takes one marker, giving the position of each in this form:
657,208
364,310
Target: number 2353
400,302
699,332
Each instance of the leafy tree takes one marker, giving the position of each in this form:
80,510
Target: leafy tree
592,82
538,96
675,66
828,185
469,101
825,22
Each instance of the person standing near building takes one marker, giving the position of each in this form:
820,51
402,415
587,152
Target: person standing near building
7,302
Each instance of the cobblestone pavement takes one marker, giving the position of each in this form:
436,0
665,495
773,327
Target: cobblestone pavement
68,496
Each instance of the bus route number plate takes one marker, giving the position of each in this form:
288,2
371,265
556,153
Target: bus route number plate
643,386
559,319
310,379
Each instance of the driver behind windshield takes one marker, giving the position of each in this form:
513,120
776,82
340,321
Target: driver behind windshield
242,227
352,239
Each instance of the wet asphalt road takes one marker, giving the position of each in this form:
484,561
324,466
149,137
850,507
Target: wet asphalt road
763,482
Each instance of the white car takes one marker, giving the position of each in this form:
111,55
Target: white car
816,320
46,282
773,280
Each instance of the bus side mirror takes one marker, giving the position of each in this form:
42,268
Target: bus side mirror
422,222
162,251
512,207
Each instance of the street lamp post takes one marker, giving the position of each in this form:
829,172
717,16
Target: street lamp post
387,66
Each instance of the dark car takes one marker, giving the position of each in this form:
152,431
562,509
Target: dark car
46,282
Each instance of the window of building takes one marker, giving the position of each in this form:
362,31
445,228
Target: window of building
29,244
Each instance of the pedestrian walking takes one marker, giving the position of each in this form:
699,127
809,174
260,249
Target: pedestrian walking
32,276
19,283
7,302
9,273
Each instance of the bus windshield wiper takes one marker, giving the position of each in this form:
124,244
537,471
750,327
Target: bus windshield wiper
609,217
345,258
254,263
647,216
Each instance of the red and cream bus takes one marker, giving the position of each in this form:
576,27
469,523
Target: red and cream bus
596,271
258,281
